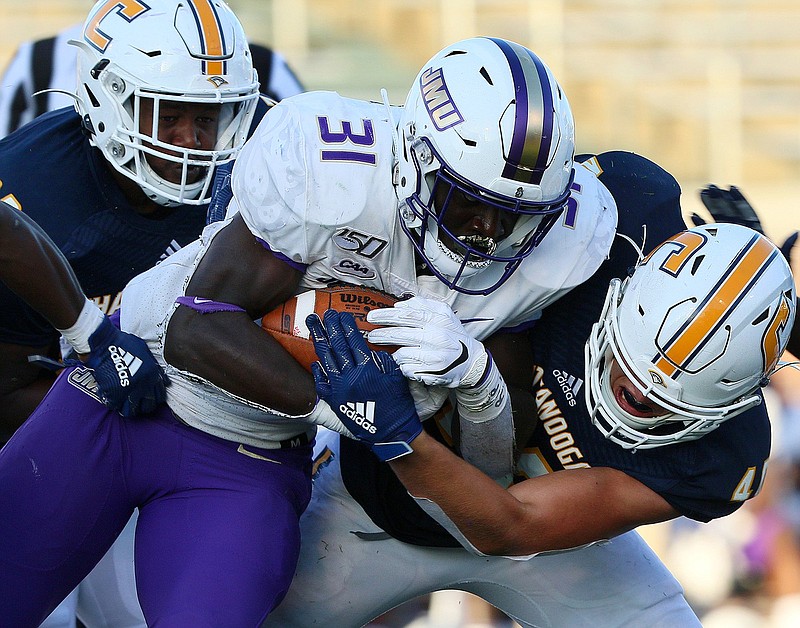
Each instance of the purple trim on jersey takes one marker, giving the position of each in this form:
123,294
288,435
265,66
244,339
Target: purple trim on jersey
533,122
219,521
349,155
527,325
207,306
296,265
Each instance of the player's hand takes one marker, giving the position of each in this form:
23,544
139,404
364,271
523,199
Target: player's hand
365,389
434,346
127,375
728,206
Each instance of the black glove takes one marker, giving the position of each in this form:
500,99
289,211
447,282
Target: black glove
127,375
728,206
786,247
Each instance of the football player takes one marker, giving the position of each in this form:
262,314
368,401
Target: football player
672,423
165,94
123,179
468,194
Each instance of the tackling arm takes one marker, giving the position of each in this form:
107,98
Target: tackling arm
32,266
556,511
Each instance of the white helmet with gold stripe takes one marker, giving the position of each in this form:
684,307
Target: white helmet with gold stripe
177,51
697,329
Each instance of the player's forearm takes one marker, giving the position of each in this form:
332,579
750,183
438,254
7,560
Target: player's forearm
478,506
235,354
32,266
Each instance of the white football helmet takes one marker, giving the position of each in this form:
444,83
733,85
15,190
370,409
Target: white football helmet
191,51
698,328
485,117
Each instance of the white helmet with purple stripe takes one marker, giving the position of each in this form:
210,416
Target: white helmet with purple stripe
486,117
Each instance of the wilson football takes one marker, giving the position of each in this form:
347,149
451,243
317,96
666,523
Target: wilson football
287,322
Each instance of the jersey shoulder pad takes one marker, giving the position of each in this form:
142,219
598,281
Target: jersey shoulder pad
317,161
580,240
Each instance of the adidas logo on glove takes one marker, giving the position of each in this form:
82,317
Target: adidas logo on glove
361,413
126,364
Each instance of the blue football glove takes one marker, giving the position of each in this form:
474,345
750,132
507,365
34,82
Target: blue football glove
128,377
365,389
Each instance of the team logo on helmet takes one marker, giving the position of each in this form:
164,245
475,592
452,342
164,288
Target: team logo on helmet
441,108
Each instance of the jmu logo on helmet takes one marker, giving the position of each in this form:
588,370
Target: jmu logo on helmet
441,108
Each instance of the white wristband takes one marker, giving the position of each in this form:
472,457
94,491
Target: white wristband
88,321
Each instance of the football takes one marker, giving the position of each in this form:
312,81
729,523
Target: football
287,322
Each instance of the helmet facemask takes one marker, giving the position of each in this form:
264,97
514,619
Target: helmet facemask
453,258
193,188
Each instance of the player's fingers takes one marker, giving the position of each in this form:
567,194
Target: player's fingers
385,362
355,339
402,336
321,382
788,244
322,346
697,220
338,341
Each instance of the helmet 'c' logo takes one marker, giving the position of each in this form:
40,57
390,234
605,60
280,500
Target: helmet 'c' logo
128,9
771,345
441,108
213,50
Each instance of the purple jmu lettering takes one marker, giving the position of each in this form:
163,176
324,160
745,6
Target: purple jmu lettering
441,108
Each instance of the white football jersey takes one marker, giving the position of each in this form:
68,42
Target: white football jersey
315,183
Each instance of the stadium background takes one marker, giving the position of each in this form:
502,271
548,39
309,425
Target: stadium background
709,89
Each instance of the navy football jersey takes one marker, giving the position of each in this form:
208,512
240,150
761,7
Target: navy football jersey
49,171
701,479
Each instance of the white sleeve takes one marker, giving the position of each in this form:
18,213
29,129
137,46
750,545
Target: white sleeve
16,85
269,182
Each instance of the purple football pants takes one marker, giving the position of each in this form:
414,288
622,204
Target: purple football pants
218,536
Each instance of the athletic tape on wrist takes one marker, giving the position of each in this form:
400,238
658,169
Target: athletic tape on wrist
88,321
486,399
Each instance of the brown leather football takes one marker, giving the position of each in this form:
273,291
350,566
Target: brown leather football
287,322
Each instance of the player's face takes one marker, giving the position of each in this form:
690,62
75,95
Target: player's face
188,125
630,398
477,224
